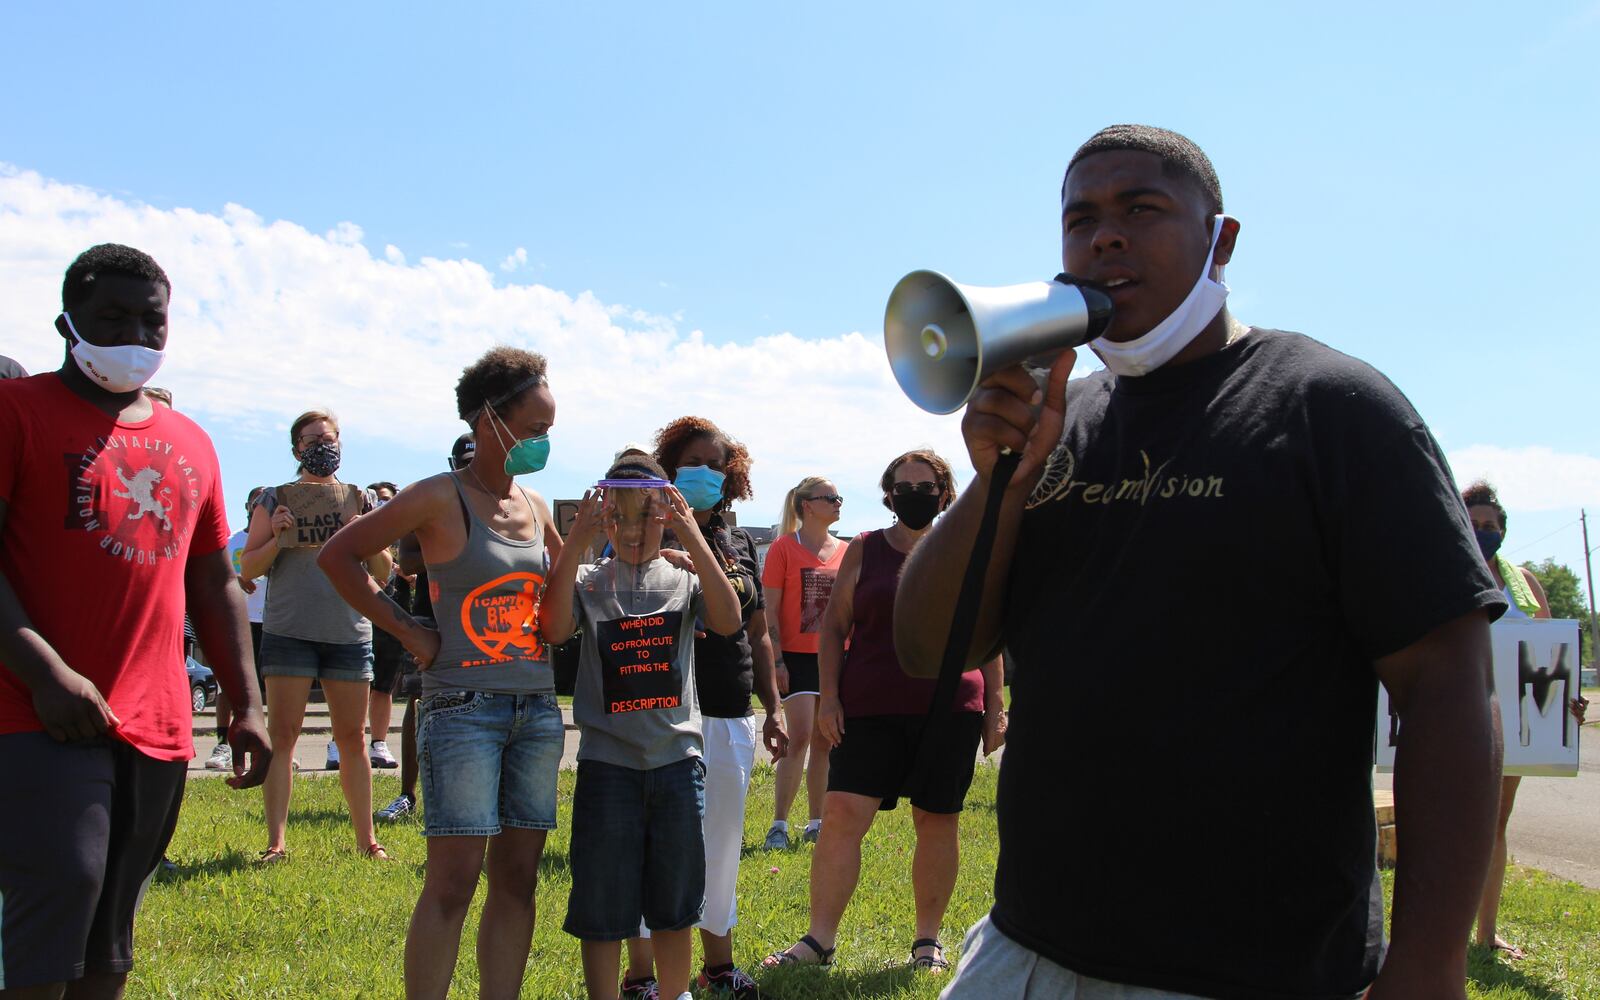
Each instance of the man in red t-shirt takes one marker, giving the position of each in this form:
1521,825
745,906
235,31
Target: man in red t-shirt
111,523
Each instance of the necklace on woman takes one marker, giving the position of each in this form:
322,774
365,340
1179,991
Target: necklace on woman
505,504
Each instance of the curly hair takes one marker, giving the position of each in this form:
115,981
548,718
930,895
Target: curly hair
941,475
496,379
672,439
108,258
1481,494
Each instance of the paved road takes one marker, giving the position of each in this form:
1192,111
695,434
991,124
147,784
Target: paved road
1556,823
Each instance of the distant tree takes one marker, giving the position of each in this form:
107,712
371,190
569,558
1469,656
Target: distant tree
1564,591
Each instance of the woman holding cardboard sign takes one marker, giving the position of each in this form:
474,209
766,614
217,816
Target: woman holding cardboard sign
1526,598
307,633
489,731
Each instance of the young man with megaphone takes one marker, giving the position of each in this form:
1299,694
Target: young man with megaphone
1226,540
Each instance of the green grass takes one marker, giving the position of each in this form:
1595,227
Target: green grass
329,924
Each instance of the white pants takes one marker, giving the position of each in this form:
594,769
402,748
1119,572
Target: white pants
729,755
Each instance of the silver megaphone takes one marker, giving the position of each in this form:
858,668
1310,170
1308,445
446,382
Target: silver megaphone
943,338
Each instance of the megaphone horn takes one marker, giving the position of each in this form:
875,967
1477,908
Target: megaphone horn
943,338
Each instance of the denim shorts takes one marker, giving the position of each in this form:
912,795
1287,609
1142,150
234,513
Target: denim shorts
638,851
285,656
488,761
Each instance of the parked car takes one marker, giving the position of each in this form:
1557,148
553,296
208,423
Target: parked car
202,685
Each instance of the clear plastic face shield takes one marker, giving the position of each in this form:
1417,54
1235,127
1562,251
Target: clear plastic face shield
634,513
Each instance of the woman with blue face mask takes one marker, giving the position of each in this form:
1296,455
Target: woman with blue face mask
489,731
1525,598
712,470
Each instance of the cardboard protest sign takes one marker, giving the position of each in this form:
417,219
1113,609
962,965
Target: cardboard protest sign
319,510
1535,680
639,669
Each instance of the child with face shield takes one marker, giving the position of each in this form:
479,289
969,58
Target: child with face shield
637,846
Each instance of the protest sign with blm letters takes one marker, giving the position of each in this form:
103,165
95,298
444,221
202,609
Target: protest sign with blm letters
320,509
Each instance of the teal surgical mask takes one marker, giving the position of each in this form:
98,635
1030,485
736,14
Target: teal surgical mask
524,456
701,486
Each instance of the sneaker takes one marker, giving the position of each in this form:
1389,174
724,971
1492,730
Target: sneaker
777,839
221,758
730,982
333,757
380,755
813,830
639,989
405,805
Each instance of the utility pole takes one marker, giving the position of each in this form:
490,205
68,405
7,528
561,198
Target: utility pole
1588,573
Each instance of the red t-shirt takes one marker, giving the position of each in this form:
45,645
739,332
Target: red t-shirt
102,520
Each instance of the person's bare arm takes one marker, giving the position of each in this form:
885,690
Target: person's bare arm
837,621
216,609
261,543
68,704
773,596
346,560
721,602
773,734
557,621
1008,412
1538,592
1447,793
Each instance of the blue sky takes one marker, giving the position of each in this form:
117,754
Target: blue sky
702,209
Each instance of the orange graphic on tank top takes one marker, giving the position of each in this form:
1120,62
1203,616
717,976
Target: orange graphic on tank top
502,615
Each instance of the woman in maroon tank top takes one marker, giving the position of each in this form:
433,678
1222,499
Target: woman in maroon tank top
873,715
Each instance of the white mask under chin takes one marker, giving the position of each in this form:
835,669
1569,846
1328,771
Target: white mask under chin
114,369
1145,354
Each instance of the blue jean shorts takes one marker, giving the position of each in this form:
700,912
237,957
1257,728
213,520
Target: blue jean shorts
638,851
488,761
286,656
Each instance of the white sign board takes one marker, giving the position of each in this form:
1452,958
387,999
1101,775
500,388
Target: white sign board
1535,678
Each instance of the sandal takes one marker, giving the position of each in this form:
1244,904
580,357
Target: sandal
788,957
376,852
272,855
930,963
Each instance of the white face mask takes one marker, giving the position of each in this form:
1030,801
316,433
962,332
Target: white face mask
114,369
1145,354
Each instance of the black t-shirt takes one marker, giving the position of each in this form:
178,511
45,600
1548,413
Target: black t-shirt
724,668
1212,560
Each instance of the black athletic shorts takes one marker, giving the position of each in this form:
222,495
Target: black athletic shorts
388,661
85,825
878,750
802,674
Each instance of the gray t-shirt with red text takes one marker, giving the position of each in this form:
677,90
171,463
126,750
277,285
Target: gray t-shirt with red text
634,701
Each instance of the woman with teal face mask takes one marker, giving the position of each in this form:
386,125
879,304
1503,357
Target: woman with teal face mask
489,731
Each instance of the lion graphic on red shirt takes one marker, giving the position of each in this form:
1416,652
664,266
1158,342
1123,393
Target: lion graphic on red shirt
142,491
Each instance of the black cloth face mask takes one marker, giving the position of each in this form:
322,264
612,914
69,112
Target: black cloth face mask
915,510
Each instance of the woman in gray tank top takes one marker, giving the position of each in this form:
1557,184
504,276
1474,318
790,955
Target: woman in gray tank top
309,634
489,731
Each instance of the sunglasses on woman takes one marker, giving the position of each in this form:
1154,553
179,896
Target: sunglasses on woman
927,489
833,498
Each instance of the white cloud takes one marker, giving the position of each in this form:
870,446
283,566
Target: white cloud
1533,478
517,259
269,318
